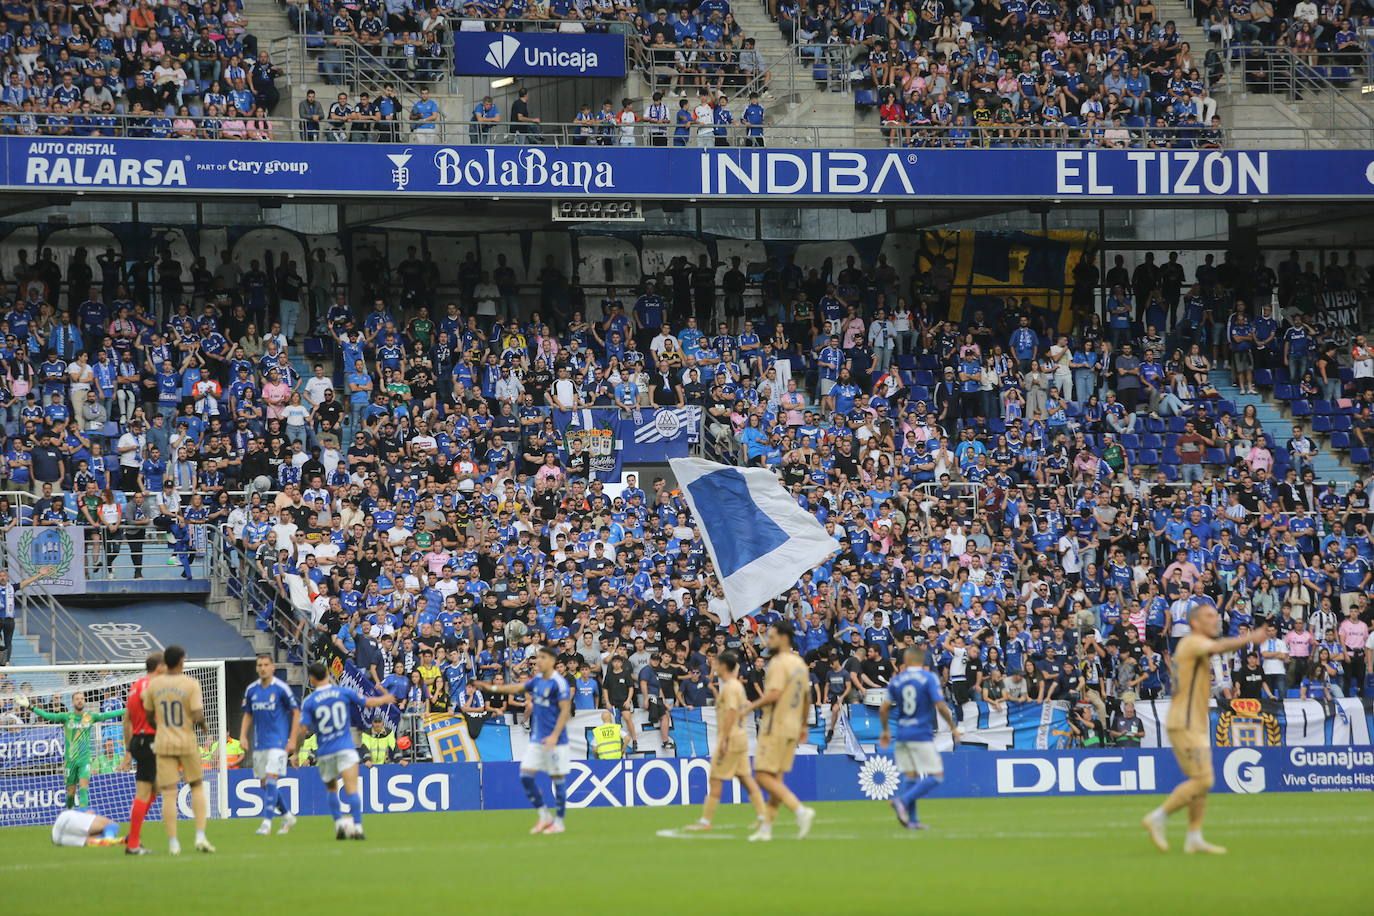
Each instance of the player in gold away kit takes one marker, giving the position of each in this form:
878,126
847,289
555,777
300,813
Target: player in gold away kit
731,759
1189,726
786,704
176,708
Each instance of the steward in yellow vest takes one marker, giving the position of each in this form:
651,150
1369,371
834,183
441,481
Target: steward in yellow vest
608,740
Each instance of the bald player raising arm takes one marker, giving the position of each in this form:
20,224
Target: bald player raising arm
1188,724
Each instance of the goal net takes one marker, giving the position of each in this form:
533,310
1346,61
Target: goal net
64,723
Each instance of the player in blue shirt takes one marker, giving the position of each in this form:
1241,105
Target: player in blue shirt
551,698
917,695
328,714
270,717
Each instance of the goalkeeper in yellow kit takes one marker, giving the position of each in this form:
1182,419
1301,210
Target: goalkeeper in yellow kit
78,726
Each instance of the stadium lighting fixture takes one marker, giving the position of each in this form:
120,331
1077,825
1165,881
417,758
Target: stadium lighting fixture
503,82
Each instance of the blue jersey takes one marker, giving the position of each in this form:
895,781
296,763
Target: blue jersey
328,712
915,692
271,708
547,694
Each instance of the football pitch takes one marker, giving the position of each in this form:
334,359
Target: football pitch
1045,855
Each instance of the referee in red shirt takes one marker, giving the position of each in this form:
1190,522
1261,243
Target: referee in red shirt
138,741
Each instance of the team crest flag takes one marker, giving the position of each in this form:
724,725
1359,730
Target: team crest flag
449,741
760,541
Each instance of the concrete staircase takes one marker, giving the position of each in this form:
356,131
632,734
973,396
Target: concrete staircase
796,100
1328,465
26,651
1311,115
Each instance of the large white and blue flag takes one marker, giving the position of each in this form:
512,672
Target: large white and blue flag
759,539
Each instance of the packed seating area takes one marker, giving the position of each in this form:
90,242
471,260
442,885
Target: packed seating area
1035,503
1014,73
82,66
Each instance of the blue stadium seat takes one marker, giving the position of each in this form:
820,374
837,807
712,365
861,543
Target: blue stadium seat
1171,473
1320,407
1340,441
1152,440
1285,391
1153,425
865,99
1130,440
923,377
1301,408
1321,424
1264,378
1148,456
1341,423
1359,456
906,361
1176,425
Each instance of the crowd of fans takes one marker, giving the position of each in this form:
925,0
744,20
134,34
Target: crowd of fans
111,68
987,475
1015,73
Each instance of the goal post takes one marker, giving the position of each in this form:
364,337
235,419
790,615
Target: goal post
36,761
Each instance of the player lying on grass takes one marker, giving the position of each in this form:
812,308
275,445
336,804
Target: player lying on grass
731,757
328,714
84,828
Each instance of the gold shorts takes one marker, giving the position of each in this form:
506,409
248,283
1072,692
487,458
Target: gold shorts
774,754
733,764
1193,752
172,768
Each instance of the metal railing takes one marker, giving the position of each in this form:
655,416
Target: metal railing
240,581
828,64
41,615
1282,72
340,61
610,132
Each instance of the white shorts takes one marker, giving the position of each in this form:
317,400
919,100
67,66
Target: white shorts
72,828
539,759
917,757
271,762
332,766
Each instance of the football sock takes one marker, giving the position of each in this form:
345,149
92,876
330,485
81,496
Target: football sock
335,806
281,800
560,797
136,815
268,792
532,790
355,805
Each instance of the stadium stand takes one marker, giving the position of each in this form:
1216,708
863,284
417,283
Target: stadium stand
1036,503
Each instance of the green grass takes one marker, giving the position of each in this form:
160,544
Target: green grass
1062,855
